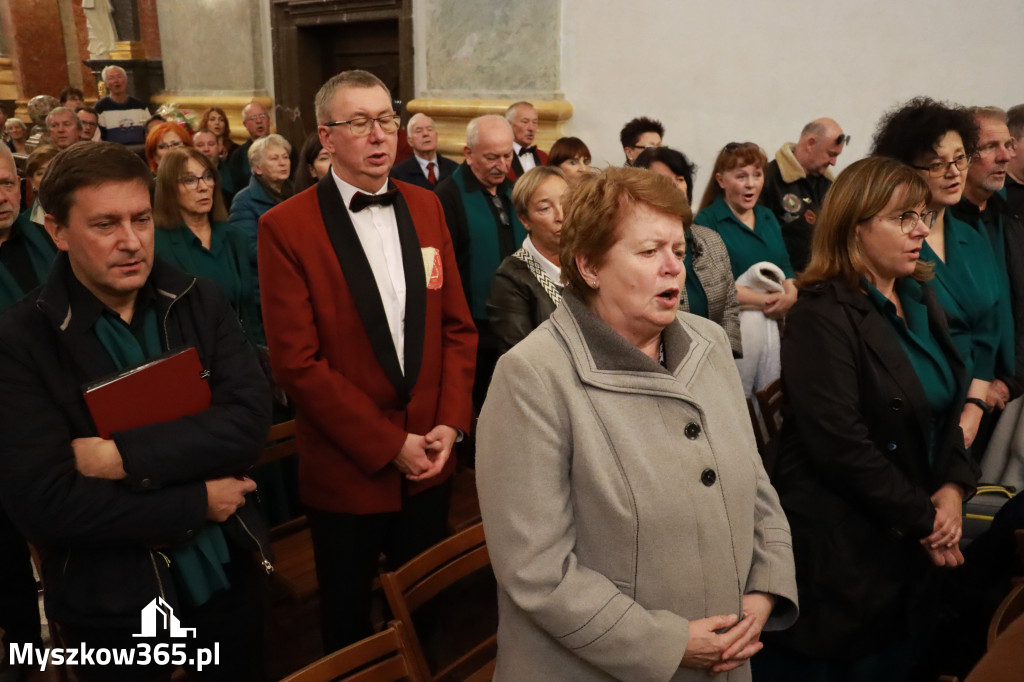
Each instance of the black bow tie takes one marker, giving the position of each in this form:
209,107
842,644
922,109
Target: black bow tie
527,150
360,200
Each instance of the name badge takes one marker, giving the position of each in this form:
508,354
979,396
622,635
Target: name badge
432,267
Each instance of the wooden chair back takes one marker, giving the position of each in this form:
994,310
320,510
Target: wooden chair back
383,657
1009,610
769,400
755,422
423,578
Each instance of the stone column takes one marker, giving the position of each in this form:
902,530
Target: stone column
476,57
215,57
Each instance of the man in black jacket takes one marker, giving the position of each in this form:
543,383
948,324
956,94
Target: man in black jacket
426,167
144,520
984,207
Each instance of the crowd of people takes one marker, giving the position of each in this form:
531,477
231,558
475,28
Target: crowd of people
607,331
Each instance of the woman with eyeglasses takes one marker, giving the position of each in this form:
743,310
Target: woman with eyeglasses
938,141
757,254
162,138
193,232
872,468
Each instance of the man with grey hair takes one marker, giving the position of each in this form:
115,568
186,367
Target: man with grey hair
63,127
477,202
795,184
257,123
426,167
371,338
523,118
122,118
984,207
26,254
1015,167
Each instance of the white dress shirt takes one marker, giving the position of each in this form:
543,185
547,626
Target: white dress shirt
423,166
377,229
528,162
549,268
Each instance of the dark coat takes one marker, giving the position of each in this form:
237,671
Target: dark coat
517,304
853,472
97,537
409,171
515,171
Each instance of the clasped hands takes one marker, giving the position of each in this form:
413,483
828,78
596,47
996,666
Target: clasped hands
942,545
423,457
711,649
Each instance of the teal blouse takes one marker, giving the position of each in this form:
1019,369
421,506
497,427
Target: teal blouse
922,348
747,247
696,297
967,285
226,262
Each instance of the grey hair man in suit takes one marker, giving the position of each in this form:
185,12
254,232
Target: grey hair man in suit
426,167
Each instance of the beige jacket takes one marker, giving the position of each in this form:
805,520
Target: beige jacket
620,499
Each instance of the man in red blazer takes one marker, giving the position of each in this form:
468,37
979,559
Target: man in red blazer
524,119
371,337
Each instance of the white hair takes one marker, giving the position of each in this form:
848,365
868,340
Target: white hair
259,147
108,69
408,126
473,129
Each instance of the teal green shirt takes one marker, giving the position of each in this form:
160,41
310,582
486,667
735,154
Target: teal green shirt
696,297
915,336
226,262
747,247
990,224
967,285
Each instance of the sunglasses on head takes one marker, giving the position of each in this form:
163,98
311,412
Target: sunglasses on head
843,139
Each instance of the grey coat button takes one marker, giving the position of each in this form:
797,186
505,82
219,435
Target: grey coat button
145,483
708,477
891,445
692,431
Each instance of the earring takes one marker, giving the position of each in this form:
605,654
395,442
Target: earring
594,284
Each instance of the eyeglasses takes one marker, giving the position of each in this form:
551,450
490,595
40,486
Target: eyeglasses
939,168
257,117
192,181
843,139
990,148
909,220
360,127
164,146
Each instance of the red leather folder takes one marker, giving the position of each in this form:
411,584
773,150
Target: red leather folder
168,387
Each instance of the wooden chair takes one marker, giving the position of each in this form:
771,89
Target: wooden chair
294,566
769,400
384,657
423,578
1009,610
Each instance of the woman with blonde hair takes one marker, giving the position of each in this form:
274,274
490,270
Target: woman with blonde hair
872,467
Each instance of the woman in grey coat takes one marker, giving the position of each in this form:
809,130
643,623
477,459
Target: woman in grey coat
632,529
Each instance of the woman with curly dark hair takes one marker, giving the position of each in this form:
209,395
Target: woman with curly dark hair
939,140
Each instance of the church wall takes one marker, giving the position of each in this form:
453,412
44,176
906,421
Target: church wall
720,71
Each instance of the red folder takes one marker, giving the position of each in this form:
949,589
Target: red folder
168,387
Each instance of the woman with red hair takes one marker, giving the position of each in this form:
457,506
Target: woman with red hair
162,138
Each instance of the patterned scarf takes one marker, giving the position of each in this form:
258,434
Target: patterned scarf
550,286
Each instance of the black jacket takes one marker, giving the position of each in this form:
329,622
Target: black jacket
1013,233
518,303
100,539
409,171
797,205
853,473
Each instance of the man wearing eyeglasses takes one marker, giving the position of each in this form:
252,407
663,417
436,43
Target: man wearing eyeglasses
370,336
984,207
257,122
796,181
639,134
